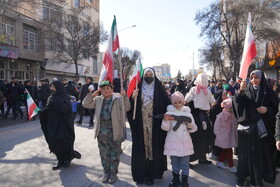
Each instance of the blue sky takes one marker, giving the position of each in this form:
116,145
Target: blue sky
165,30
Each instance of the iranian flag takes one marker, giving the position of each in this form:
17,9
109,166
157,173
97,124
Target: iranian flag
32,107
107,71
135,78
249,51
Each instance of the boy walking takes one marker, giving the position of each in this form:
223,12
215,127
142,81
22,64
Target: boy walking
109,126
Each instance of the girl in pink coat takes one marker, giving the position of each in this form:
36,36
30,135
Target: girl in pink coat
225,129
178,143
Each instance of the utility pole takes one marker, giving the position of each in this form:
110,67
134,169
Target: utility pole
193,68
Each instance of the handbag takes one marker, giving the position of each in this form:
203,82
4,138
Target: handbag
246,130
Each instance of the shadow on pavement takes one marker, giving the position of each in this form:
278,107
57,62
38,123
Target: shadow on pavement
23,132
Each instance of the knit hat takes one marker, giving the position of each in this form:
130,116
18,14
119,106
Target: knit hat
227,103
177,96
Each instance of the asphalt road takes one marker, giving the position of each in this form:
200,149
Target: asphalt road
25,161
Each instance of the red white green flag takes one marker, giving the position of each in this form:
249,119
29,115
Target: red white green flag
107,71
135,77
249,51
32,107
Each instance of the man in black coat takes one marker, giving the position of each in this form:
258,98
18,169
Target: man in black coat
83,93
13,96
45,91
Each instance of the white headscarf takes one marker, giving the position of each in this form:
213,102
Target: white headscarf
201,79
148,89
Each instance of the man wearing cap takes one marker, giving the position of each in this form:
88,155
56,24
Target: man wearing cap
13,96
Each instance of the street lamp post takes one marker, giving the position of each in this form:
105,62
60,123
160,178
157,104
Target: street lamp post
127,28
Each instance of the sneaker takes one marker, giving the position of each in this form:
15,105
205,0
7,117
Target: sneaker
90,125
232,169
105,177
221,165
204,125
113,178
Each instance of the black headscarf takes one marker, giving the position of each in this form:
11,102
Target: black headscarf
60,91
257,93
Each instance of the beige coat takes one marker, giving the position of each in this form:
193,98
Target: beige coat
118,122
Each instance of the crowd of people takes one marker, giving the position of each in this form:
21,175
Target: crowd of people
185,120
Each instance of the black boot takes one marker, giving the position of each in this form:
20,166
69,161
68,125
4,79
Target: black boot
149,169
175,181
59,165
185,182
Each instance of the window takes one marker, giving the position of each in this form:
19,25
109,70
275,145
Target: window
53,44
89,1
7,33
31,39
76,3
52,12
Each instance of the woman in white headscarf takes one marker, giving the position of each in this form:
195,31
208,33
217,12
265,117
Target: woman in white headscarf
148,162
200,99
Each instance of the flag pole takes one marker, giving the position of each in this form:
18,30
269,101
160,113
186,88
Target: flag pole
121,79
135,101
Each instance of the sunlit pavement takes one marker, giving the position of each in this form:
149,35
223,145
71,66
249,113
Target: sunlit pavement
25,161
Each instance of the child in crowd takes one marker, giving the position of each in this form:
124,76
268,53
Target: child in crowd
109,122
178,143
201,97
225,129
74,104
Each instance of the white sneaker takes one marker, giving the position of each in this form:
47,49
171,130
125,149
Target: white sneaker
232,169
204,125
221,165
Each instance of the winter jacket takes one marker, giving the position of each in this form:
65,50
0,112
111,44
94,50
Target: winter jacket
179,142
45,92
118,122
84,91
14,93
201,101
225,129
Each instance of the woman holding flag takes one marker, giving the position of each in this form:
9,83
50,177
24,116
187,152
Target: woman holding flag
57,126
148,162
255,107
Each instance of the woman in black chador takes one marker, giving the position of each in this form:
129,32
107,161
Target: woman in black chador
148,162
57,125
255,107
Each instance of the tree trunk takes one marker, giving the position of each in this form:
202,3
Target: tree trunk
76,70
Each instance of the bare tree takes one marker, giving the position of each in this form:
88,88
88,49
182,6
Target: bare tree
129,58
227,20
74,37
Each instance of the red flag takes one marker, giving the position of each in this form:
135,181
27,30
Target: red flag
107,71
136,76
249,51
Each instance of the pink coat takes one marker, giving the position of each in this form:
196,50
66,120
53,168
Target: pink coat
225,129
179,142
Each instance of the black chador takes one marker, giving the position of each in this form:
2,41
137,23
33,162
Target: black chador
57,126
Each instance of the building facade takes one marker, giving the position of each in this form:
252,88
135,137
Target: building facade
28,55
21,49
163,72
